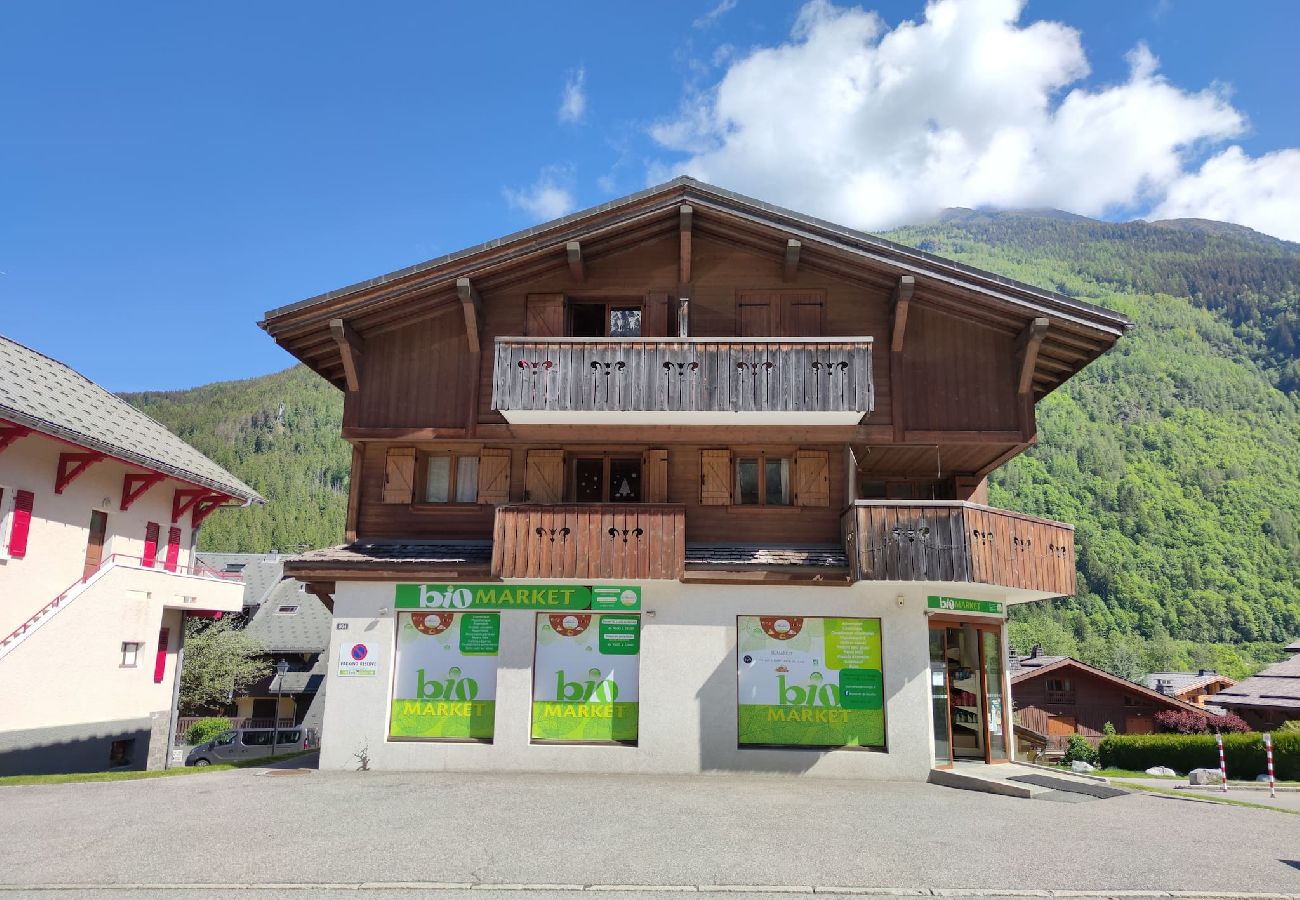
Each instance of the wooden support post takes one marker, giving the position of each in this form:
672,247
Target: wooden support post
685,215
1027,347
351,347
792,248
900,301
134,484
205,506
9,432
683,310
322,591
472,305
576,268
184,498
354,494
71,466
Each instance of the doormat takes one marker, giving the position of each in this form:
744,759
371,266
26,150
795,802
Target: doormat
1092,789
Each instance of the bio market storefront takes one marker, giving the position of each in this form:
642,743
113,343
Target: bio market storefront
661,676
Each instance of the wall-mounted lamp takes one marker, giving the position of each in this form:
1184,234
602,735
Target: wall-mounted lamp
901,600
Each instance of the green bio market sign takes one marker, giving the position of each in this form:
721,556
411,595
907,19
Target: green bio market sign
445,676
454,597
585,677
957,604
810,682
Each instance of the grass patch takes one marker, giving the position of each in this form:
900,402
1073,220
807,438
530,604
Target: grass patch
135,775
1206,797
1129,773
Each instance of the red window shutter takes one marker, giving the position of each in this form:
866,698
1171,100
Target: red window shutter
150,558
22,524
160,660
173,548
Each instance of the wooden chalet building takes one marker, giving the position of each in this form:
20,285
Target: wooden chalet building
684,482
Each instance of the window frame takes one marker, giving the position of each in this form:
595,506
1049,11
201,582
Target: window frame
8,498
571,473
422,458
610,304
135,658
762,456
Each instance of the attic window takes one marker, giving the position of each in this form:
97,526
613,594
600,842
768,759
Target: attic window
235,567
286,610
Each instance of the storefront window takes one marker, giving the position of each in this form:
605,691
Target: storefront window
585,677
993,684
445,676
810,682
939,697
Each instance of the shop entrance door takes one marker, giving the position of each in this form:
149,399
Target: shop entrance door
970,717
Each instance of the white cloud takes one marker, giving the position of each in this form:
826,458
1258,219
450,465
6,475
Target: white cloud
1262,193
549,197
720,9
573,101
874,127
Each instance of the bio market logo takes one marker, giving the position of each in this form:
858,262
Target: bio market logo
815,693
453,687
452,598
595,690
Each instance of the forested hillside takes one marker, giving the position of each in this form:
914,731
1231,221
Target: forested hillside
1177,455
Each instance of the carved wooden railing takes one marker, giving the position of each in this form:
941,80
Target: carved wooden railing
589,540
957,541
683,374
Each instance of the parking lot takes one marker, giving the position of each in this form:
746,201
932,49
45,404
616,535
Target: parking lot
254,832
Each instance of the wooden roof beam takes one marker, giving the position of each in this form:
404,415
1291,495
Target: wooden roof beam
573,249
685,215
900,301
472,304
1027,346
792,248
351,347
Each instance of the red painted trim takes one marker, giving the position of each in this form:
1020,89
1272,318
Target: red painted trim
173,548
150,558
9,432
71,466
206,506
23,502
160,658
189,496
134,484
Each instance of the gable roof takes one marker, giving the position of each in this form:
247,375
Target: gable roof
1067,663
306,630
1180,683
261,571
1278,686
1079,332
52,398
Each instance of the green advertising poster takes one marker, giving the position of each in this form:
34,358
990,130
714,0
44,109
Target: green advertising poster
585,677
456,597
445,676
810,682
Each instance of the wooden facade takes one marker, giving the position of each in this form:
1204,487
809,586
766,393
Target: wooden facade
667,357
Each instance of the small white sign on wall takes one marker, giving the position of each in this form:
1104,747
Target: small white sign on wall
356,658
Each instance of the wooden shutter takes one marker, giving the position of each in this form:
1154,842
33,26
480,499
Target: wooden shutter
544,477
754,317
160,658
655,323
656,476
545,315
150,557
173,548
812,478
399,475
23,502
715,477
803,316
494,476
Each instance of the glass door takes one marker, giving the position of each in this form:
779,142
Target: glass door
966,692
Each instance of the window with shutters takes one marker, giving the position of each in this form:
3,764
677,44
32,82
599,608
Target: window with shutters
399,475
605,318
173,549
606,479
494,476
16,523
544,477
448,478
762,480
150,557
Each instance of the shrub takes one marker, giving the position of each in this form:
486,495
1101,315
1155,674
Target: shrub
1244,753
1078,748
1228,724
1108,729
205,730
1291,727
1181,721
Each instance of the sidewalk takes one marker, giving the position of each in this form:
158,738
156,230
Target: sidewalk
1285,799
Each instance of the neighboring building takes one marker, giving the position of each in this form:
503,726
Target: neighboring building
1270,698
1057,696
1191,687
99,510
691,480
260,572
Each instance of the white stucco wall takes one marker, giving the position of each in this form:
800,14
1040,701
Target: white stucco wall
687,687
56,545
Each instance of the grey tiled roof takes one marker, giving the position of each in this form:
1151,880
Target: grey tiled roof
305,631
1293,647
1277,686
1177,682
1019,665
766,555
308,681
48,396
399,552
261,571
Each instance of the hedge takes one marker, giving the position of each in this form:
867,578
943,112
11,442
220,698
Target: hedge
1243,753
205,730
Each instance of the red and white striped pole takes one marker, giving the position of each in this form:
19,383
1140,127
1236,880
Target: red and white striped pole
1223,764
1268,755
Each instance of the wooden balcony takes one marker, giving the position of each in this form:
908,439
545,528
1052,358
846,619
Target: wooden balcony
683,380
590,540
960,542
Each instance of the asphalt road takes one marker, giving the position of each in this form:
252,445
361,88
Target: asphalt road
365,834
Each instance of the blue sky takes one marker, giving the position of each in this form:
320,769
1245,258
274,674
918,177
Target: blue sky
169,171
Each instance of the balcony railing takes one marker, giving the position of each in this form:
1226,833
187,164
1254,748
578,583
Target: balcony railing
590,540
826,379
960,542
